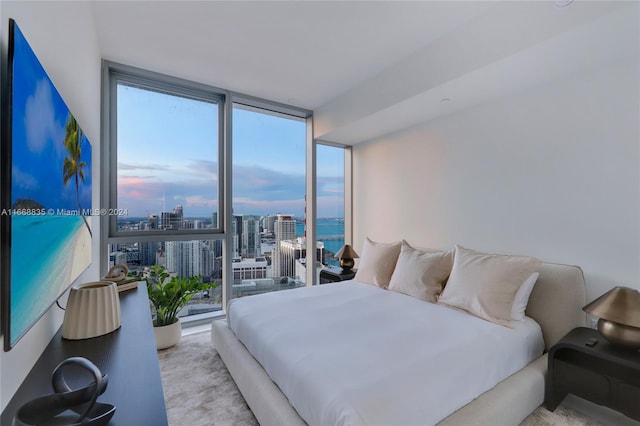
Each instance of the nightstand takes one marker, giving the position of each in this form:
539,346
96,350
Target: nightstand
334,275
601,373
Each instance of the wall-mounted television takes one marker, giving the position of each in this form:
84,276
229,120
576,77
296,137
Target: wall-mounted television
45,192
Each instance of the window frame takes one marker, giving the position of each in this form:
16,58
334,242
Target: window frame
277,109
348,199
113,74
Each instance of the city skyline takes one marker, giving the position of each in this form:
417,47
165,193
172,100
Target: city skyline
167,152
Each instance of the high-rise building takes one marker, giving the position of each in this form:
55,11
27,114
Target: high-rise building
190,258
284,229
249,269
172,220
148,251
250,236
152,222
216,248
193,224
291,252
183,258
236,230
268,223
117,257
207,259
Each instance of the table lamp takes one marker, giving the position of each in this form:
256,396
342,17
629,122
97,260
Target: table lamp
618,311
346,255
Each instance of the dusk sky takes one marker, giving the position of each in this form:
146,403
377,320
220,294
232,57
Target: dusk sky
39,116
167,150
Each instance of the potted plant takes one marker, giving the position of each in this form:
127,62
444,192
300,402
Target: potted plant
168,294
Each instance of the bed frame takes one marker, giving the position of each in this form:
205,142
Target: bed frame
555,303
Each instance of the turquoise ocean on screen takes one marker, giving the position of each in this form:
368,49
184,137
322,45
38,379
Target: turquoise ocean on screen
41,262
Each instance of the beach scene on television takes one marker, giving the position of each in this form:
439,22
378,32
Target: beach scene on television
51,213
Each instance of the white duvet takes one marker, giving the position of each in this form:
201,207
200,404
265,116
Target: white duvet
353,354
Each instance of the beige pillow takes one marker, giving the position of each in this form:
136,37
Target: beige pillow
377,262
421,273
485,284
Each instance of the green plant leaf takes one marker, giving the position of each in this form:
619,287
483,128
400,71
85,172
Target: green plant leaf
168,294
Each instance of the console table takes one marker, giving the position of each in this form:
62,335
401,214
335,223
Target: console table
128,355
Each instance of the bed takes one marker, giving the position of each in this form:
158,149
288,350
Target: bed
336,392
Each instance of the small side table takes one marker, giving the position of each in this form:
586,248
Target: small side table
601,373
334,275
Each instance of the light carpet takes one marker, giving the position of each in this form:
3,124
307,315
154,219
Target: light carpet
199,391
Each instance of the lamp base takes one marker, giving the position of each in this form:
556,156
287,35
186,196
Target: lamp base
346,264
93,309
620,334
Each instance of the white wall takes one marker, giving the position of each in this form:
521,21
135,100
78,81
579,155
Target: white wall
62,35
552,172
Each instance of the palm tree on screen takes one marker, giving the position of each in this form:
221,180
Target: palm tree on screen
73,168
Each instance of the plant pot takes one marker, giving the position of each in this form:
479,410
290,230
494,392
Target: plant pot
167,335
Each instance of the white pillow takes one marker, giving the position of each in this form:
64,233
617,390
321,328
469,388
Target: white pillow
485,284
421,273
377,262
522,298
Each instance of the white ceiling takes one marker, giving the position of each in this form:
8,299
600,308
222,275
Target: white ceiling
319,55
300,53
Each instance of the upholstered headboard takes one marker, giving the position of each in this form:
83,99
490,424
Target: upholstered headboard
556,301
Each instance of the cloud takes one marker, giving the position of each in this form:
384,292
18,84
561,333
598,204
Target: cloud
129,167
144,194
203,166
261,183
260,207
23,180
257,190
330,185
39,119
330,206
138,188
200,201
198,173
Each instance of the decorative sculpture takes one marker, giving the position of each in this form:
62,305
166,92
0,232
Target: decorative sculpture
66,407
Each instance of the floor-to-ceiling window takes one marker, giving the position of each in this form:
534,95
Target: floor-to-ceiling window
269,208
207,186
163,186
331,162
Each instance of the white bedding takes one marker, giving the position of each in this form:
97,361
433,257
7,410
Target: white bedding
352,354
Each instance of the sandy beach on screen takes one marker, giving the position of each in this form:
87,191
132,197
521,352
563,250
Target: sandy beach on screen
48,277
81,251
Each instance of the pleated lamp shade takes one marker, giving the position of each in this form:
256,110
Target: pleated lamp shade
93,309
